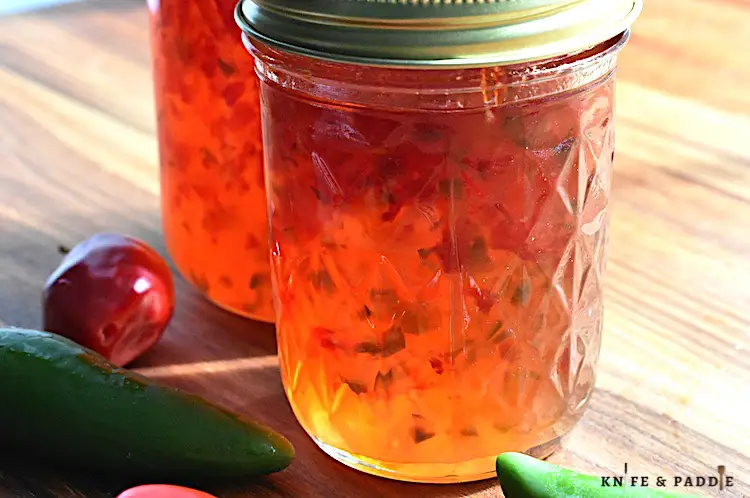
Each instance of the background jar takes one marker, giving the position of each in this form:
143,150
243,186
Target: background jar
438,235
213,196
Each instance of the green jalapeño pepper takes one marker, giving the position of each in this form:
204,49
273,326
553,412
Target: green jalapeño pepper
67,404
522,476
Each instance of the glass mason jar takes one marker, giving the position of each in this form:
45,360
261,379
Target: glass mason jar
438,228
214,210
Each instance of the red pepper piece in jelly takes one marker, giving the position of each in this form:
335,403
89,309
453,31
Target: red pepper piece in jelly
112,294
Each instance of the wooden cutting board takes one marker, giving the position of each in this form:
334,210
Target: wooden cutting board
78,155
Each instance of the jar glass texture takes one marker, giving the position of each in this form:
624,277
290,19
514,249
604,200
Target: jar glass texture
438,242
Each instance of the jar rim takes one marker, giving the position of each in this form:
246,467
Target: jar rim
453,88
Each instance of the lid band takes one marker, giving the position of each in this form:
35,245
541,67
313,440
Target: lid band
458,33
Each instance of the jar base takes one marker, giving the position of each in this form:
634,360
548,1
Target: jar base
230,309
235,311
430,473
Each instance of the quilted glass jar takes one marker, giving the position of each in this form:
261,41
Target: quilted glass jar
438,237
213,199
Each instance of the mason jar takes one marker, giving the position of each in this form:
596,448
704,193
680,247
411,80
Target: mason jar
438,176
214,210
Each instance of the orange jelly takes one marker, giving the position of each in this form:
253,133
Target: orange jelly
213,196
438,242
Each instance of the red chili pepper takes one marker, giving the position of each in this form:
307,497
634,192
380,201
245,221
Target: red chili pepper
163,491
112,294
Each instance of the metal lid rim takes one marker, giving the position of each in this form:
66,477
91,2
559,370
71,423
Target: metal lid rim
353,55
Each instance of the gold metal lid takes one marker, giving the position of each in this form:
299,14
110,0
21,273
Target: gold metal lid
435,32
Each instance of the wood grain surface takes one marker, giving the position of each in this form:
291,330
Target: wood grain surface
78,155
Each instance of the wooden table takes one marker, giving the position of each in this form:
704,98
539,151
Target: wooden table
78,155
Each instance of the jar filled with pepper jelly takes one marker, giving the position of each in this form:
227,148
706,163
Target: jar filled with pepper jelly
213,199
438,179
